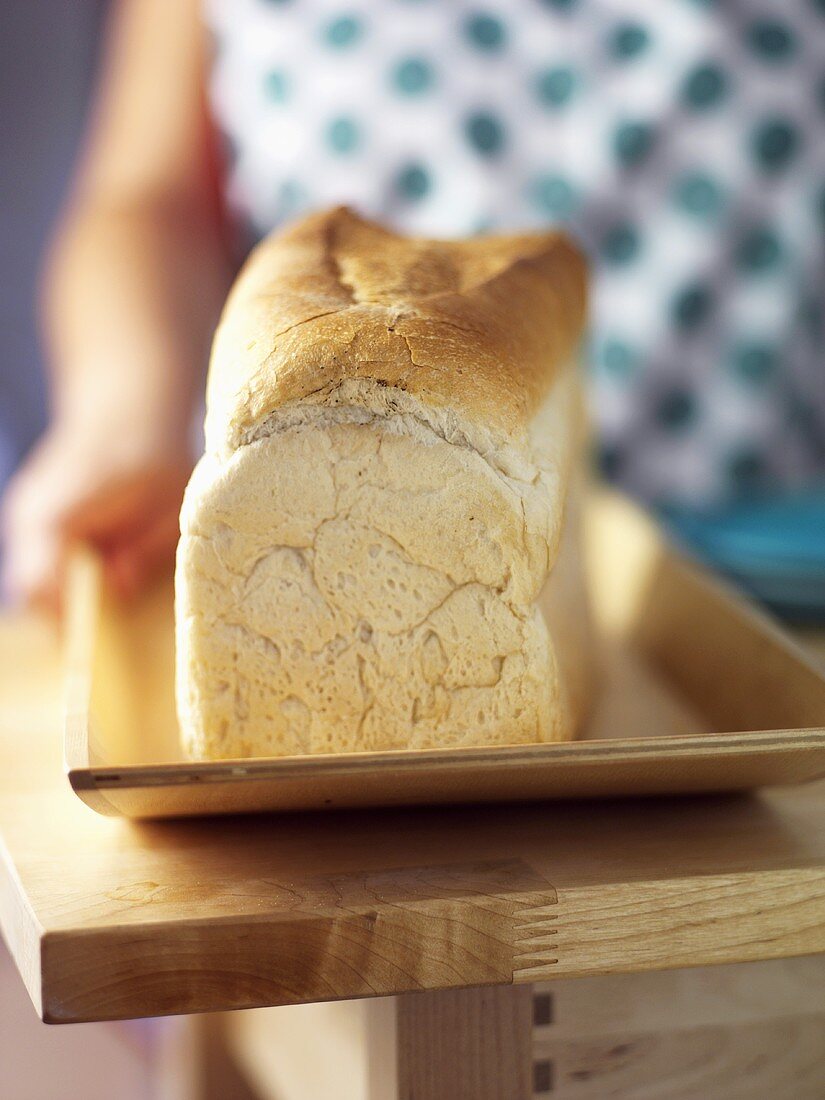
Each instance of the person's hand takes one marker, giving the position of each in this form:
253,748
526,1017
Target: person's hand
116,488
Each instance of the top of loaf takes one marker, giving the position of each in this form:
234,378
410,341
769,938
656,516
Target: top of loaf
475,329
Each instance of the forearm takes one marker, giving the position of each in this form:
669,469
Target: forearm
132,291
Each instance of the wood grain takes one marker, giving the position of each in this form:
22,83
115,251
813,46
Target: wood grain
467,1042
109,919
780,1059
737,1030
726,1031
425,1046
672,1000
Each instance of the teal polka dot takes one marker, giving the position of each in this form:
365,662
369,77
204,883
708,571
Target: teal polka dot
553,195
632,142
292,196
802,417
485,32
771,40
820,205
343,32
699,195
412,76
704,87
628,40
759,251
555,87
811,317
818,6
774,144
754,363
675,409
485,133
343,135
821,94
277,86
746,469
610,460
616,358
620,244
560,5
413,182
691,306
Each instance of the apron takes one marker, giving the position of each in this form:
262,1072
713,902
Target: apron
681,142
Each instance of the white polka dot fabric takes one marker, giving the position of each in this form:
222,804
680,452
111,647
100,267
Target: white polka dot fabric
683,143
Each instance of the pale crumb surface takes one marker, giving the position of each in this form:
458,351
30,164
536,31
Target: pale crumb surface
355,581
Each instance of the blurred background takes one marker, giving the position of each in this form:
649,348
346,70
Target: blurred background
771,543
47,55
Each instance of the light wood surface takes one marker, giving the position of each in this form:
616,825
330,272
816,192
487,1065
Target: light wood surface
736,1031
108,919
463,1042
689,672
732,1032
442,1045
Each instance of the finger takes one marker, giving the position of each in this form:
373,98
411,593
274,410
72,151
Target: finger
33,569
111,510
120,509
133,562
33,538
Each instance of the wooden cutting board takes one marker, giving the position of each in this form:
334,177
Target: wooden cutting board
699,692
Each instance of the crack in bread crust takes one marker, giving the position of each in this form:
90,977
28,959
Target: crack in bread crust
480,327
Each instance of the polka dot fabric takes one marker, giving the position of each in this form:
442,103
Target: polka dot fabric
683,143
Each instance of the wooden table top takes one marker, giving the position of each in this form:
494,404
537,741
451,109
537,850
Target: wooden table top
108,919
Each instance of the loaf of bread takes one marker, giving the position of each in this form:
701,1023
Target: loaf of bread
369,545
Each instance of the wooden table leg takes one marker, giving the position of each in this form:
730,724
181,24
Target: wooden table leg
473,1043
738,1031
465,1044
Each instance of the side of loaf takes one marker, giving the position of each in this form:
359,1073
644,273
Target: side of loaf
369,540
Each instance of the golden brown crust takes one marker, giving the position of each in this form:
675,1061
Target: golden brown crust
479,326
